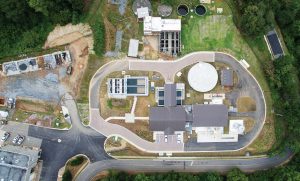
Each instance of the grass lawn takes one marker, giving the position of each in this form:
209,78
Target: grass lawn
132,151
60,123
246,104
140,128
41,113
94,64
83,110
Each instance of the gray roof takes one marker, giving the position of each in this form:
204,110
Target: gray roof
227,77
210,115
133,49
168,119
170,95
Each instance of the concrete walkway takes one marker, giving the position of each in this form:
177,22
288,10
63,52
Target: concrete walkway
168,69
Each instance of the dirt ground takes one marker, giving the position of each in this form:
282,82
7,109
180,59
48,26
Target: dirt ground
78,40
64,35
141,128
39,113
79,51
142,105
110,32
36,106
80,44
246,104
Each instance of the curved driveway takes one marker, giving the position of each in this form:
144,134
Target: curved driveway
168,69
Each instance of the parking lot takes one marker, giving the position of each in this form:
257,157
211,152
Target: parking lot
168,139
15,129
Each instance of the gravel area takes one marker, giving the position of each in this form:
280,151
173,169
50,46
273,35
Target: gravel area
122,7
44,86
164,10
118,45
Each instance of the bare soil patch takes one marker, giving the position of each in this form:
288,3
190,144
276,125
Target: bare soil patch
246,104
142,105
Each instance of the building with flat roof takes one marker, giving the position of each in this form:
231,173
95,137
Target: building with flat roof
133,49
128,86
207,120
170,94
17,162
36,63
155,25
169,32
227,77
209,115
274,44
167,119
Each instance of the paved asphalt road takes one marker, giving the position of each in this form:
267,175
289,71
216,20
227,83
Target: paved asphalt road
205,165
77,140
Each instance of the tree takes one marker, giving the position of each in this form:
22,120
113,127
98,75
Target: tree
39,6
252,21
212,176
141,177
67,176
236,175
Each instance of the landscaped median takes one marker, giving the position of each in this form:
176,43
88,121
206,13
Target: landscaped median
73,168
119,148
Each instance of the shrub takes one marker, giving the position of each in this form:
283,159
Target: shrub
77,161
67,176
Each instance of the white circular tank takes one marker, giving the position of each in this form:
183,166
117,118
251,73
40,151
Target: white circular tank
203,77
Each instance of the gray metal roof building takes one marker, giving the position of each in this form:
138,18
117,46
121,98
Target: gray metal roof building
210,115
170,95
168,119
227,77
17,162
274,44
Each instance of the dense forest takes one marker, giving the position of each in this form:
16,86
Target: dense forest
254,18
25,24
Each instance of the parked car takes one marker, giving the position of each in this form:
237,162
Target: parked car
166,138
21,140
3,122
11,103
15,140
69,70
5,136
